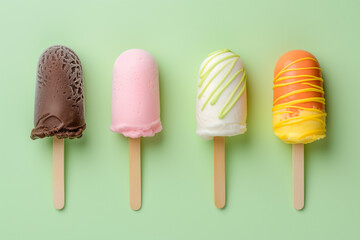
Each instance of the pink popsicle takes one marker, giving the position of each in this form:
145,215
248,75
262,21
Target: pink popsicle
135,109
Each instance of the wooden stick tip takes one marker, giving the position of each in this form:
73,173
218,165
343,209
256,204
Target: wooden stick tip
220,204
59,205
135,206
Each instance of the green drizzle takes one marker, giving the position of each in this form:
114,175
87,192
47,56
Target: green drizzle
226,107
203,76
204,89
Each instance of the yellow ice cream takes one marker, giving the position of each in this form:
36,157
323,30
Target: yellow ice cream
307,127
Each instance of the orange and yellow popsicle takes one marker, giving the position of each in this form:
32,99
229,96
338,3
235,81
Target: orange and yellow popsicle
298,109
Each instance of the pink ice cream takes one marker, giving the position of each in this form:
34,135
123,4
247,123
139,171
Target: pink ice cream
135,108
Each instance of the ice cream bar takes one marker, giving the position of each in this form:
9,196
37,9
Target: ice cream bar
59,101
221,96
221,108
298,100
135,108
298,109
59,107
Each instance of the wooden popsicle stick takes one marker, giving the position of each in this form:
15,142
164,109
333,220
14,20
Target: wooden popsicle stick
58,173
135,173
298,176
219,172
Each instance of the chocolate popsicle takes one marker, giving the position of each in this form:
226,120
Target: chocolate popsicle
59,107
59,102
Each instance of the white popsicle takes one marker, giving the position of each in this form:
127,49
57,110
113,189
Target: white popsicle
221,108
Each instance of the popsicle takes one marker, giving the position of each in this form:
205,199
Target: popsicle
221,108
135,108
298,109
59,107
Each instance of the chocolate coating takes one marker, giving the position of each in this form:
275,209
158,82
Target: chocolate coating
59,101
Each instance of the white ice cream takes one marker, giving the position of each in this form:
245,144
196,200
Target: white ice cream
221,96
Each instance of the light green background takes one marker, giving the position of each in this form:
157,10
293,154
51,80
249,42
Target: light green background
177,168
